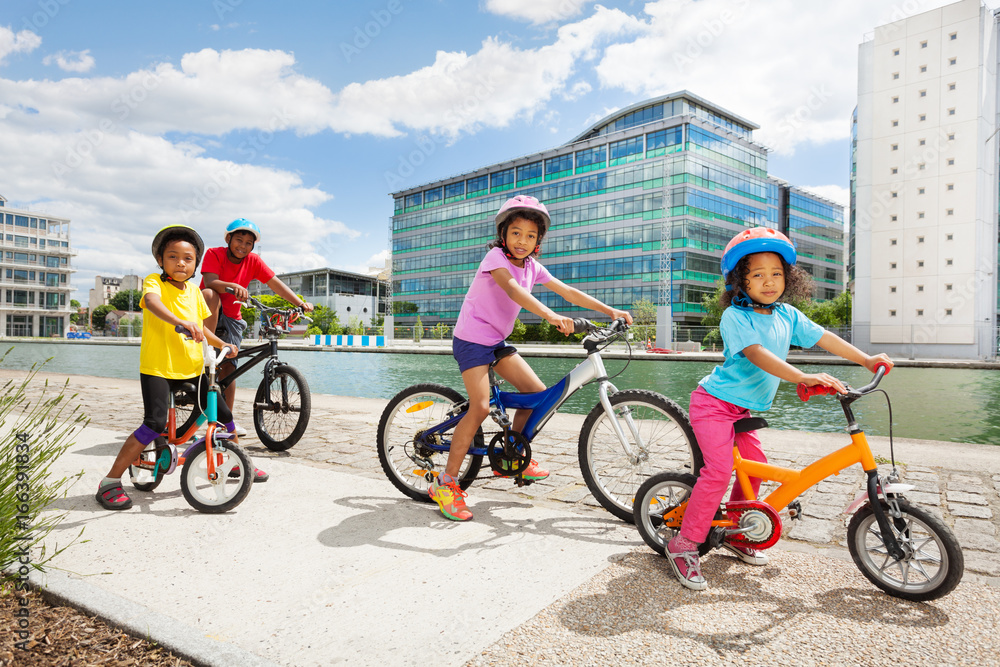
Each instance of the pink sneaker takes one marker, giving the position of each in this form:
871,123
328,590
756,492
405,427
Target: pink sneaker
532,472
683,556
746,554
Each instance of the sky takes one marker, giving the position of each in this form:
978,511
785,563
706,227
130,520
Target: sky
304,116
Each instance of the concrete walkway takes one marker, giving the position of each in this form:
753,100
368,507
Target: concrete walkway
328,563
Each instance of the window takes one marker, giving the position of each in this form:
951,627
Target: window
920,191
895,147
895,123
921,167
920,239
502,180
922,142
951,137
947,311
923,93
920,288
532,173
595,156
948,262
951,86
949,237
895,99
923,69
894,170
895,52
892,218
951,162
951,111
892,289
892,313
892,241
920,215
477,184
923,44
949,211
894,195
558,165
454,190
920,312
947,287
895,75
892,265
950,186
920,263
953,36
922,117
952,61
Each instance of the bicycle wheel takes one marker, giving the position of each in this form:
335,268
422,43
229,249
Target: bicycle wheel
932,563
658,495
142,478
225,492
409,413
659,438
185,414
281,408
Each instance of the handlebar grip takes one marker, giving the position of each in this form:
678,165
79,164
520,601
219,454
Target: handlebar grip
882,365
231,290
181,330
805,391
581,325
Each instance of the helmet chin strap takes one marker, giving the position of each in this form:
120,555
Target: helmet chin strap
743,300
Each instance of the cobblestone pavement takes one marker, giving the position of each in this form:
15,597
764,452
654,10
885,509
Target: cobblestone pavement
342,434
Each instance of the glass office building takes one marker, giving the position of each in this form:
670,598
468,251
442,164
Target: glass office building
642,205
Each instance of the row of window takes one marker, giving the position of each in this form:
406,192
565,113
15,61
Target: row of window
948,187
29,258
948,287
27,241
920,263
800,202
923,93
16,297
755,160
920,312
671,109
923,142
48,279
921,117
952,36
920,239
922,69
24,221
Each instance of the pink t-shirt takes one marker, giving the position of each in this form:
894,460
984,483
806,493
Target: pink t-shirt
488,314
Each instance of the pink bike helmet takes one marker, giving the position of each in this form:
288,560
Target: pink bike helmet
521,204
757,239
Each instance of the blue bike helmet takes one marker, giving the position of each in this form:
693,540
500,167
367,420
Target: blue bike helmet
243,225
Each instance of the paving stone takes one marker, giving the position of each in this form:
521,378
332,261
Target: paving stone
968,498
914,475
978,541
976,526
812,530
920,468
923,486
572,494
933,499
973,511
828,500
827,512
966,480
982,563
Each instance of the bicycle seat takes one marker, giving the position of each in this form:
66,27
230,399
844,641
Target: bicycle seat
188,388
749,424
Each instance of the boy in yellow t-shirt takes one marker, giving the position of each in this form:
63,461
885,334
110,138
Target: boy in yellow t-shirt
166,359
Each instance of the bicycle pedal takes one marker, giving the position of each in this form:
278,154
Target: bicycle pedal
795,510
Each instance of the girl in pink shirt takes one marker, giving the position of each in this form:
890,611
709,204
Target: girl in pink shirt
500,289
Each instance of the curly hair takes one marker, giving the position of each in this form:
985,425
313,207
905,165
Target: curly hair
531,216
798,283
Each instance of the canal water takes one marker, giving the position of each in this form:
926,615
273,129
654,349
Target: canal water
960,405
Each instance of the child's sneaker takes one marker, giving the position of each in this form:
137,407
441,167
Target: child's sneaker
532,473
683,556
444,490
746,554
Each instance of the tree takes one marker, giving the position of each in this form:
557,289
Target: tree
97,321
403,307
830,314
713,306
519,330
120,300
418,330
644,319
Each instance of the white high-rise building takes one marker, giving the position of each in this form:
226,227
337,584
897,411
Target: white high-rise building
924,186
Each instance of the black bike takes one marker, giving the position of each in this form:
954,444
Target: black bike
282,405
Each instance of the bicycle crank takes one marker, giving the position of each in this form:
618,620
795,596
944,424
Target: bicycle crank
758,524
509,454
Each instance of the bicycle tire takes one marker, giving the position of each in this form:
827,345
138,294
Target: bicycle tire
185,414
227,492
659,494
142,473
613,476
397,428
927,543
281,408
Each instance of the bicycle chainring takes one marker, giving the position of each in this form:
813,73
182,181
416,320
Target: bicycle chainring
509,453
760,523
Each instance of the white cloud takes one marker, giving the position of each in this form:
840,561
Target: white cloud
21,42
793,72
71,61
537,11
835,193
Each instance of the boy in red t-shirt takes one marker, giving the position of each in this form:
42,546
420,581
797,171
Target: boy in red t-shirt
235,266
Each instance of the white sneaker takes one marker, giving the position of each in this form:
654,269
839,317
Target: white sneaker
240,431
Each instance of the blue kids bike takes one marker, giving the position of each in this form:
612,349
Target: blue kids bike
628,435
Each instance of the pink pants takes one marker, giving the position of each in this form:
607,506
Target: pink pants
712,420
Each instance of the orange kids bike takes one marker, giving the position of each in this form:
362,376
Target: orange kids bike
903,549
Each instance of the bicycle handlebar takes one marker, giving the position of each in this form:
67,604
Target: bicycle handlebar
805,392
214,361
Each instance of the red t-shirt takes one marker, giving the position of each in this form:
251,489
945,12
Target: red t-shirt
251,268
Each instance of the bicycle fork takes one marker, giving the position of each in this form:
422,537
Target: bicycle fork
640,453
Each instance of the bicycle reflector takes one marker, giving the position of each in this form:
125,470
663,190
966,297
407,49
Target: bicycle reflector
416,407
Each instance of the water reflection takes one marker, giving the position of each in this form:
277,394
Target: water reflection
961,405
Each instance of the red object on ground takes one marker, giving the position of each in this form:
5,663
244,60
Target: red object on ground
662,350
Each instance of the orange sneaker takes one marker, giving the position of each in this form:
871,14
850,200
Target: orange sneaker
531,473
444,490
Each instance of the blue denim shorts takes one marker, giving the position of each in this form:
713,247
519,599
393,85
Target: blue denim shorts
469,355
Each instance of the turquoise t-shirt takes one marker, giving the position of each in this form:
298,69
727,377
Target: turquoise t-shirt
738,381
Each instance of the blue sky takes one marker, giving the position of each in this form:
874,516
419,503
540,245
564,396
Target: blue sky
303,116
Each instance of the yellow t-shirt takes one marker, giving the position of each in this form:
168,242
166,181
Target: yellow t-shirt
164,352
